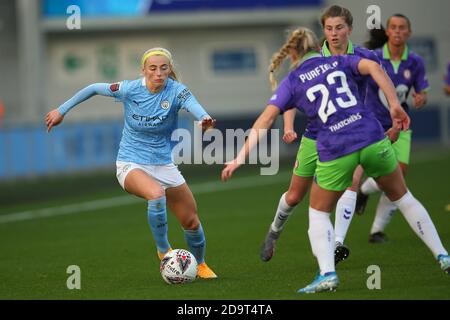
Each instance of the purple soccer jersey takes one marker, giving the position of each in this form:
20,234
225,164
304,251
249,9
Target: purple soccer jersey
326,91
360,52
362,81
447,76
408,73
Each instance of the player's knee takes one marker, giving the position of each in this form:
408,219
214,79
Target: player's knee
292,198
396,191
153,194
191,222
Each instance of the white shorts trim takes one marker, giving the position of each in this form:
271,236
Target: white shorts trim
167,175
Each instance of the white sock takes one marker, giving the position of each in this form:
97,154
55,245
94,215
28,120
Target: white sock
344,213
321,236
369,186
383,215
282,214
420,221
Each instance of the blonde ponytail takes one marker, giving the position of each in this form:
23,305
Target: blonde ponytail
303,41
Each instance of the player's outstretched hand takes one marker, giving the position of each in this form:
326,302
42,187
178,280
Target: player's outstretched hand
400,119
230,167
419,99
53,118
393,134
208,123
289,136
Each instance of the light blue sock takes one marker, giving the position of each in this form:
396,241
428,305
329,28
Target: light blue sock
157,219
196,242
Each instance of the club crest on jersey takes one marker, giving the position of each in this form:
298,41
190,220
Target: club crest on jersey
165,104
407,74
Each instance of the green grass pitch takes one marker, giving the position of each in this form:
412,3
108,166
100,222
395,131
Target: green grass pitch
117,257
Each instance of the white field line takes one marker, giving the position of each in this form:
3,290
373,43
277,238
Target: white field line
200,188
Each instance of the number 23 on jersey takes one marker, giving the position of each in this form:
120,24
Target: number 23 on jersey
327,106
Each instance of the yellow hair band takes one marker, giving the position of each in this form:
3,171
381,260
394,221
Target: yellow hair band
155,53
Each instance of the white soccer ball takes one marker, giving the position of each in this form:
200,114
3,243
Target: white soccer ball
178,266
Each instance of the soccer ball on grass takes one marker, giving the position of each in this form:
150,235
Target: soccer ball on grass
178,266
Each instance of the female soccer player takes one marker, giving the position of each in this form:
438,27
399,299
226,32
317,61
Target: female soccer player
337,23
406,70
144,163
348,134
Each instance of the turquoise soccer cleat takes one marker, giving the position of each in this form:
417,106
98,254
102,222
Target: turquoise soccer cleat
328,282
444,261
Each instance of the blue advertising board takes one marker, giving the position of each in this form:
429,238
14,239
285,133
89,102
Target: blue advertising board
111,8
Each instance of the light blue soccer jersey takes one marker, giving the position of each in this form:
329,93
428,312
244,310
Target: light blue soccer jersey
150,118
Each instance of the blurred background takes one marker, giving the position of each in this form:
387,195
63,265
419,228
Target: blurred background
221,49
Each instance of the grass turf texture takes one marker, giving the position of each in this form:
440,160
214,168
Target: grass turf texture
115,251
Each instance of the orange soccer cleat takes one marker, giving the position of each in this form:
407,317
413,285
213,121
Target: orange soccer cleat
161,255
205,272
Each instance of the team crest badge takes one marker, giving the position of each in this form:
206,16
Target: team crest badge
407,74
165,104
384,154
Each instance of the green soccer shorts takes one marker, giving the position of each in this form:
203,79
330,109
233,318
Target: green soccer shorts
306,161
402,147
377,159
